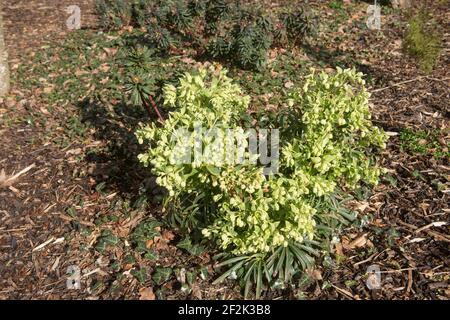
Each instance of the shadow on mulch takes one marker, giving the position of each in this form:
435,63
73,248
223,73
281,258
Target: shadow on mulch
338,58
116,164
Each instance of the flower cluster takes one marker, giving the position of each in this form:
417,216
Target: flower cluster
328,144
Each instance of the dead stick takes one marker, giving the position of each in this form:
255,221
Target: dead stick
410,281
10,180
408,81
434,234
398,84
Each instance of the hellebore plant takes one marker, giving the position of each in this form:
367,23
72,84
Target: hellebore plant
268,227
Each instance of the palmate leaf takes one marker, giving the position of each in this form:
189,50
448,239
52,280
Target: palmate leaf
185,244
161,275
151,255
191,277
193,249
107,238
145,231
140,275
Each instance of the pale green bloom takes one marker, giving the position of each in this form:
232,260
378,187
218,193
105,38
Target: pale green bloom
254,213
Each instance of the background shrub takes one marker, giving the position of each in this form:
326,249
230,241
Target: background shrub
227,30
114,14
422,41
300,24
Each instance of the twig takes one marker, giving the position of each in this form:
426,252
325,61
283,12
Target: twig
433,224
399,84
41,246
53,283
345,292
399,270
16,230
436,79
7,181
364,261
408,81
410,280
91,272
435,234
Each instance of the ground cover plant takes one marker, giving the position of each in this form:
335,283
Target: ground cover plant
85,173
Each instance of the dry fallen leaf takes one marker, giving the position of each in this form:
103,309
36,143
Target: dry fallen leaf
160,243
288,84
338,249
188,60
48,89
125,227
378,223
168,235
146,294
111,51
315,274
360,206
128,266
359,242
149,243
74,152
196,292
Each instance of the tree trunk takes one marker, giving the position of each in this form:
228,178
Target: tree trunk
4,70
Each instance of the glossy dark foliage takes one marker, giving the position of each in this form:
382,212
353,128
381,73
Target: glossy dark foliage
300,24
227,30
